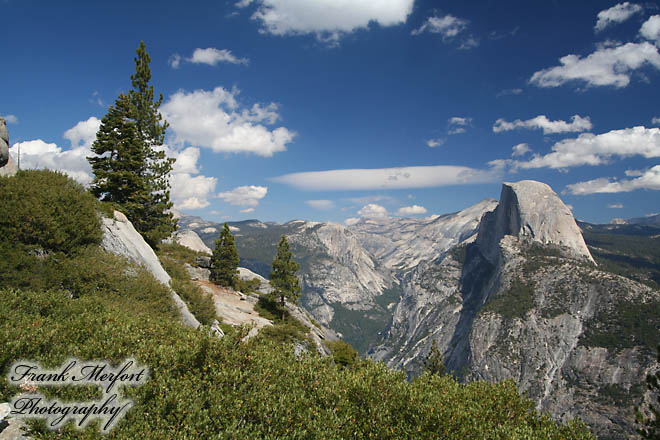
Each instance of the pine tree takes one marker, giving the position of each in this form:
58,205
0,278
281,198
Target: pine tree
224,261
131,169
433,363
283,275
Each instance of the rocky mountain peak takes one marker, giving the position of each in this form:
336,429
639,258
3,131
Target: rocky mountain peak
531,211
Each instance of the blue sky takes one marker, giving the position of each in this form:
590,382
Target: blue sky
333,110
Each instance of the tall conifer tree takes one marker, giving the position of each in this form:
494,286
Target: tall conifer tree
130,166
283,275
225,259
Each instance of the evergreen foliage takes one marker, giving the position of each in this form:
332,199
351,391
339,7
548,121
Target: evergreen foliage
283,275
46,211
130,166
650,429
224,261
433,363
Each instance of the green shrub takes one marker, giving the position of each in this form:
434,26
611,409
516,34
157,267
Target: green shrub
343,353
179,253
47,210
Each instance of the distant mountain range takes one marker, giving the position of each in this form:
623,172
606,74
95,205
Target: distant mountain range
514,289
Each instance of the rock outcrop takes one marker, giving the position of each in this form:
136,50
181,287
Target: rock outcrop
531,211
121,238
7,167
189,239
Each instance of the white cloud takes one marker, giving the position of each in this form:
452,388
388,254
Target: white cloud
457,125
244,195
520,150
370,199
650,179
83,134
435,142
616,14
590,149
388,178
615,206
577,123
37,154
210,56
10,119
213,56
411,210
448,26
243,3
188,191
247,210
214,119
607,66
329,20
651,29
323,205
656,120
174,61
373,210
351,221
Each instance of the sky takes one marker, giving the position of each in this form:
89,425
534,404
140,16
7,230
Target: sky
335,110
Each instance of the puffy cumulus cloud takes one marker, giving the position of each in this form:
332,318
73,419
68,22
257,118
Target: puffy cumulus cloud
323,205
210,56
649,179
578,123
247,210
37,154
651,29
616,14
590,149
188,191
83,134
244,195
11,119
214,119
520,150
615,206
327,19
607,66
388,178
411,210
373,210
655,120
435,142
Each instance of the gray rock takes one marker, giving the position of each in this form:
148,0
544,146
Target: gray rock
204,262
4,143
531,210
7,166
197,273
121,238
189,238
9,169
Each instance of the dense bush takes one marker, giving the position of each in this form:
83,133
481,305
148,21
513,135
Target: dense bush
343,353
202,386
47,210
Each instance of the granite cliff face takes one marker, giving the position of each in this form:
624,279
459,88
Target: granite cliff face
526,302
531,211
